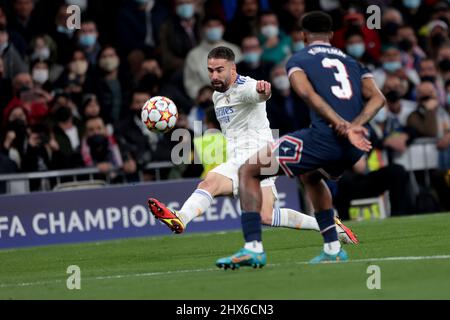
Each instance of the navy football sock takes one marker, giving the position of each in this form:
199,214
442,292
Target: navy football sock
327,225
251,226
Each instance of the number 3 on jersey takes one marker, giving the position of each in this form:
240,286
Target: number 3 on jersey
344,91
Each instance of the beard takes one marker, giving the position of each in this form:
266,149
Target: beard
220,86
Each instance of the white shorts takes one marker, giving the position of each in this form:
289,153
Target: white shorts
230,170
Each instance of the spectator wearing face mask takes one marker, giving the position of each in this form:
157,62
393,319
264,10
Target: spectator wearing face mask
297,39
14,37
430,119
396,135
136,140
391,21
195,77
63,36
26,20
34,100
178,36
150,76
429,72
109,88
437,36
292,12
415,12
77,79
13,63
245,21
252,64
285,110
14,134
44,49
66,132
354,22
356,47
443,62
139,23
275,43
98,148
411,53
203,102
88,41
392,66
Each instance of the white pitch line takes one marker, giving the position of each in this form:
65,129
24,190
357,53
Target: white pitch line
164,273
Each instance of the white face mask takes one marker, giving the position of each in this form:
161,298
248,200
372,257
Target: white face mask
281,83
40,75
270,31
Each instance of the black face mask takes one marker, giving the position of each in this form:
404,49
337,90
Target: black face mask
63,114
437,40
392,96
444,65
98,145
391,28
428,78
405,45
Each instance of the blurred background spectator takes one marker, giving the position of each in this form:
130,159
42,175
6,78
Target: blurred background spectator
63,90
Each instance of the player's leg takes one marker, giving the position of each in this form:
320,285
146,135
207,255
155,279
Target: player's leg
321,199
215,184
274,216
201,199
250,175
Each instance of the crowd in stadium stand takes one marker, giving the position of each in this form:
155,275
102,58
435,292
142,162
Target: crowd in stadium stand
72,98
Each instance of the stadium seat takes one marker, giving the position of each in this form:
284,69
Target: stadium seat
370,208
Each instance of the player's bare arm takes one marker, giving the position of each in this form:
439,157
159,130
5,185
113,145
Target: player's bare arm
375,101
302,86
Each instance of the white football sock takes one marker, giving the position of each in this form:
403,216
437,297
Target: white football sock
255,246
289,218
195,205
332,247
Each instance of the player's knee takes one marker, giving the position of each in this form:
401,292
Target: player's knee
207,184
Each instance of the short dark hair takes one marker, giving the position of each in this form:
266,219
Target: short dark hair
317,22
222,53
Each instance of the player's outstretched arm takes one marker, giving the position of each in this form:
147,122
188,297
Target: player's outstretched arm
302,86
375,101
264,89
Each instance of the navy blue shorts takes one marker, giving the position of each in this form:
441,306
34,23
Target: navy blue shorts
312,149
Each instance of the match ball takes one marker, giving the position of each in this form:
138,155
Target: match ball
159,114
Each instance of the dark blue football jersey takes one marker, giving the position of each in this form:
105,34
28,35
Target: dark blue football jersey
335,76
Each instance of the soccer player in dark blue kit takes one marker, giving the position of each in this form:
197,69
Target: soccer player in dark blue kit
342,97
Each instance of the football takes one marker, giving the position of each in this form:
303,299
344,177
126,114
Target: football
159,114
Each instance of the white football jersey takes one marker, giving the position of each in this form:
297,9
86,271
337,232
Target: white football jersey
242,115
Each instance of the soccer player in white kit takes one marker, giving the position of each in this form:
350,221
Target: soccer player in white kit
240,105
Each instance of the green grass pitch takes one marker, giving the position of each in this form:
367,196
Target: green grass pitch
413,254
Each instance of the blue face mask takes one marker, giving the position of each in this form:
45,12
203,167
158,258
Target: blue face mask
392,66
252,57
185,11
214,34
411,4
88,40
356,50
64,30
448,99
297,46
